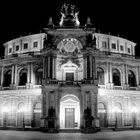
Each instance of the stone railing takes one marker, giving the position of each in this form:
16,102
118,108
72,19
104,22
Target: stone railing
118,87
21,87
63,82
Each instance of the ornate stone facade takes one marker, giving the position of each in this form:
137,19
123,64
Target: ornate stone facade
69,78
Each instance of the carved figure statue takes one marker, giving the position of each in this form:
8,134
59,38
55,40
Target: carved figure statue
69,16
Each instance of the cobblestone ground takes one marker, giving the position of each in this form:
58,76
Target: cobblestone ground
31,135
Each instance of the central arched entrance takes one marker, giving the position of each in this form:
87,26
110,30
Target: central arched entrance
69,112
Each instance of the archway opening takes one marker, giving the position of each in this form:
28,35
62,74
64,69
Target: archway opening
69,112
102,114
131,79
23,77
116,77
7,78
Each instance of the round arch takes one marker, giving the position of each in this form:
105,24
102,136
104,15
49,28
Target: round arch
131,78
38,76
116,77
22,77
69,112
7,78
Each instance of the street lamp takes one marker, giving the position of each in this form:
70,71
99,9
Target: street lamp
23,110
5,110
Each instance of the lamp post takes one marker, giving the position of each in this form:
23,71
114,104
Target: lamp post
5,110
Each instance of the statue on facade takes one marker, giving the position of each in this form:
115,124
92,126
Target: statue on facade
69,14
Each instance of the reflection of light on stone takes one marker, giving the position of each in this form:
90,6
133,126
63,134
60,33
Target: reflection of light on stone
23,109
5,109
116,109
133,110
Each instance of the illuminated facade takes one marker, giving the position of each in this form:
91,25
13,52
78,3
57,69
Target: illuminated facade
69,77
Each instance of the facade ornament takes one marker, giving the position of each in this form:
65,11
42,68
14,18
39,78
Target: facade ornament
50,23
69,16
88,24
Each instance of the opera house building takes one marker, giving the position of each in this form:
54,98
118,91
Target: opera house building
69,77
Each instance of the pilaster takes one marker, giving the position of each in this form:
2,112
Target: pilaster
1,82
109,83
125,77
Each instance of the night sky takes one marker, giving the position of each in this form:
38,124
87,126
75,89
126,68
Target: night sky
25,17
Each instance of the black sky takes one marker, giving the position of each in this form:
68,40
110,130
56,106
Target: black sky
115,17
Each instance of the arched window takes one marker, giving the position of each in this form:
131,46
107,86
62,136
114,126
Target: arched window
100,76
131,79
23,77
116,77
39,76
7,78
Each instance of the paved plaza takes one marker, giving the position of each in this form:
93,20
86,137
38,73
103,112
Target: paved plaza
32,135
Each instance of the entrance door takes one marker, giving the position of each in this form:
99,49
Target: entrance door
69,76
69,117
102,117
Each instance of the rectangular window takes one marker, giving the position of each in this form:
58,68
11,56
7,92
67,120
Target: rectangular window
128,49
10,50
35,44
121,47
25,46
17,48
104,44
113,46
69,76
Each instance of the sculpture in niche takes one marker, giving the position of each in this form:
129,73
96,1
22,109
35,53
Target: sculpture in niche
69,14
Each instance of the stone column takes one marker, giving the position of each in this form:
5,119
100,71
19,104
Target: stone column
48,68
91,67
13,73
15,79
2,72
94,68
85,68
137,76
111,75
44,68
109,83
125,77
54,67
108,69
28,73
31,73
